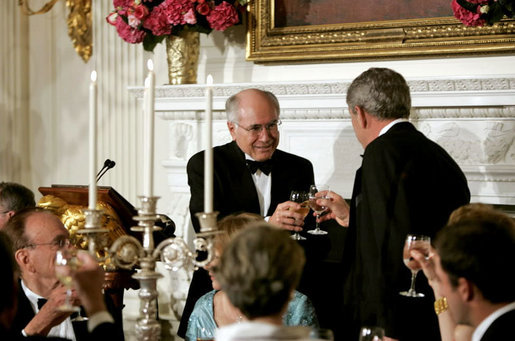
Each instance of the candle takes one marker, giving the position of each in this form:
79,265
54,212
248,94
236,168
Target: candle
93,141
148,136
208,154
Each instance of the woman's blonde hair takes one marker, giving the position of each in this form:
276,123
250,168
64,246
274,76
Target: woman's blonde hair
232,224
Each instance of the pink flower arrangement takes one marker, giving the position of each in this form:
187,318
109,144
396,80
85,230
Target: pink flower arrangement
150,21
482,12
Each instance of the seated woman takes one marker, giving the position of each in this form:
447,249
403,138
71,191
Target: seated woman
214,309
259,271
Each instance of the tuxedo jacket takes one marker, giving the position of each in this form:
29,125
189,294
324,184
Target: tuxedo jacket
234,191
406,184
104,331
501,328
233,187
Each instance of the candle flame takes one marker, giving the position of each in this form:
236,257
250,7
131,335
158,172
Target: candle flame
150,65
209,79
93,76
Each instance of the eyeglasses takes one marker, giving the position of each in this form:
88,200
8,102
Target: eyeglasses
256,129
59,244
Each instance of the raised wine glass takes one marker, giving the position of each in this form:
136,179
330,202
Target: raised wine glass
422,244
66,263
303,199
313,190
371,334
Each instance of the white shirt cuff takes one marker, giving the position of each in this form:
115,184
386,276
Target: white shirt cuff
99,318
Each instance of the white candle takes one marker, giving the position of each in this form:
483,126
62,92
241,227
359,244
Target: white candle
208,154
148,136
93,141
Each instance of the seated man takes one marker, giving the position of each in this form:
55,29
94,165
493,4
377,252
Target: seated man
13,197
471,273
88,280
36,235
259,271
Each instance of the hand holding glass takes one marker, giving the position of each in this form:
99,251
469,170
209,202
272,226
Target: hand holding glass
422,244
313,190
303,199
66,263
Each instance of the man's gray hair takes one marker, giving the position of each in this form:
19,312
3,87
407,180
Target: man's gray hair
232,104
381,92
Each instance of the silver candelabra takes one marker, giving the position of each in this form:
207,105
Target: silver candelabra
127,252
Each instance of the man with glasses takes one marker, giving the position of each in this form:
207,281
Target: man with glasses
13,197
36,235
250,174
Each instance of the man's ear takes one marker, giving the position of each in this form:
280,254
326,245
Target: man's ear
232,129
22,257
361,117
10,214
466,289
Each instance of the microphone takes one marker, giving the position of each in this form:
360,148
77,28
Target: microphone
108,164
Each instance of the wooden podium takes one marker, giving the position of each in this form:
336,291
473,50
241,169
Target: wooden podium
118,280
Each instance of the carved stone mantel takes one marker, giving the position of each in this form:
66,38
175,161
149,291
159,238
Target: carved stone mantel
472,118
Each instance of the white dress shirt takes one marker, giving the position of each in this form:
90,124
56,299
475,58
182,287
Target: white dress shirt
391,124
263,185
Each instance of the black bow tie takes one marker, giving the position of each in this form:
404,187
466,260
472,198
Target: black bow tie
264,166
41,302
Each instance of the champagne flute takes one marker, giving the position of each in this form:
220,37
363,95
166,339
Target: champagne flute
422,244
313,190
303,199
66,263
371,334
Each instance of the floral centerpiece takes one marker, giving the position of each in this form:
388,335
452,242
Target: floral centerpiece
482,12
150,21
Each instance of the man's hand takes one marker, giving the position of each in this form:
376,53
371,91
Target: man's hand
287,217
337,207
49,316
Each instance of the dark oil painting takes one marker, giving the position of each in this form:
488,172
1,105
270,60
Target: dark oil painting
323,12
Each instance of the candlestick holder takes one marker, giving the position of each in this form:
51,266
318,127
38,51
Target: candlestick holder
126,252
93,230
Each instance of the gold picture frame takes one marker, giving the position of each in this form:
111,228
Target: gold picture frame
388,39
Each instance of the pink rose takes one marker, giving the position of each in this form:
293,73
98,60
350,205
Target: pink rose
190,17
223,16
128,33
175,10
203,8
157,22
467,17
140,12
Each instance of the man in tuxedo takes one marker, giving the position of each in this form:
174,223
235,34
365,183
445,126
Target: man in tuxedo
474,270
88,281
250,175
406,184
36,235
13,197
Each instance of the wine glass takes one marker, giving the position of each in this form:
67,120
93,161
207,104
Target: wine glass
313,190
422,244
303,199
66,263
371,334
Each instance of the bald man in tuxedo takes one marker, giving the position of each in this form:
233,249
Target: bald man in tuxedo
250,175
